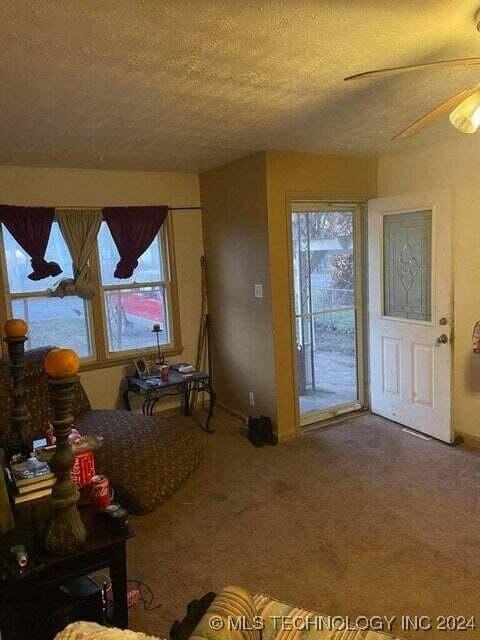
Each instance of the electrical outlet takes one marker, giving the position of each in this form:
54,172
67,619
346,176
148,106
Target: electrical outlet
251,398
258,290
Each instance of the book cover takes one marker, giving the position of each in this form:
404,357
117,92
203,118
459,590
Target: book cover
32,495
32,481
30,471
41,483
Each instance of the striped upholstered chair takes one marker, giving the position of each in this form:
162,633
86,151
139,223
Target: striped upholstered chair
234,614
237,615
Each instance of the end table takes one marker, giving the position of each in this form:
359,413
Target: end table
102,549
153,389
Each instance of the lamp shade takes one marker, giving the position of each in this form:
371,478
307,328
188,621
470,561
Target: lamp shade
466,117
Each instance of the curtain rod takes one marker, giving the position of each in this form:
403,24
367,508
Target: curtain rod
184,208
91,206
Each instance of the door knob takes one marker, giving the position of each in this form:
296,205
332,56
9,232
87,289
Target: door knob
442,339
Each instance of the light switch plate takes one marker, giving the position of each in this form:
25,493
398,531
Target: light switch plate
258,290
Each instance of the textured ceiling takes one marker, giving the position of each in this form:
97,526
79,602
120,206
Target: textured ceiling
183,85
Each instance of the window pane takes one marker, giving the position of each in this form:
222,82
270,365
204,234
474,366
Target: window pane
407,240
150,264
19,262
131,314
55,322
324,286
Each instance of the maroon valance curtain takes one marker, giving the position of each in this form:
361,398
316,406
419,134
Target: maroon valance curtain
133,230
31,226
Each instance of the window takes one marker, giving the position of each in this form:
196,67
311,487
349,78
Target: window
117,322
131,307
52,321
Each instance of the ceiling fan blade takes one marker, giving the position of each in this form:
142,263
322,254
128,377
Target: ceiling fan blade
455,62
434,114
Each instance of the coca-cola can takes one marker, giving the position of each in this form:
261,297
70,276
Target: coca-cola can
99,492
83,469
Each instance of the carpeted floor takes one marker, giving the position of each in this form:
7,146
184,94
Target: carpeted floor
356,519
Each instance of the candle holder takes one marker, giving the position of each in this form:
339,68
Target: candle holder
65,532
15,441
157,329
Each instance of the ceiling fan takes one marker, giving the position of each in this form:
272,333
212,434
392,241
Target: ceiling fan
464,107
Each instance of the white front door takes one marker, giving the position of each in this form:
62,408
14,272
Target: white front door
410,310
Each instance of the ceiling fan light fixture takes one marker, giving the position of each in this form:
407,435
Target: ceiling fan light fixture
466,117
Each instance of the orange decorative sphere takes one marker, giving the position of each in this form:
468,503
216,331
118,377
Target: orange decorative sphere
61,363
15,328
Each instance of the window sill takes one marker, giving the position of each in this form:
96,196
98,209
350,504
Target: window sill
125,360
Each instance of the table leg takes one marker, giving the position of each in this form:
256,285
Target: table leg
118,576
186,399
126,400
212,396
8,622
152,406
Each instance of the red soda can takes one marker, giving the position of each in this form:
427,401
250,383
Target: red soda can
83,469
99,492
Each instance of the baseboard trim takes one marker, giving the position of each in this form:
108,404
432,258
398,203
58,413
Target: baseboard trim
290,435
243,418
232,412
468,439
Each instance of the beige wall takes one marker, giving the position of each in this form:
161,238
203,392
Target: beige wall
234,204
290,175
74,187
451,164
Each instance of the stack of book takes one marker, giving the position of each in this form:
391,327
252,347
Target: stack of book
31,480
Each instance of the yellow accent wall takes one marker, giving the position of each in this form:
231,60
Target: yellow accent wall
293,175
453,163
246,236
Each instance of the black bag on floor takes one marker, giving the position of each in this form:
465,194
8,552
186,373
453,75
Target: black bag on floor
195,611
260,431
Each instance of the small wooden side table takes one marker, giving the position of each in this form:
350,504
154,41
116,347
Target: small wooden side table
102,549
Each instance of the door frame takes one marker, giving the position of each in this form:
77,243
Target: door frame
322,417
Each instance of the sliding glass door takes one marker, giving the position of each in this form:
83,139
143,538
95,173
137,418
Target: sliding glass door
327,302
